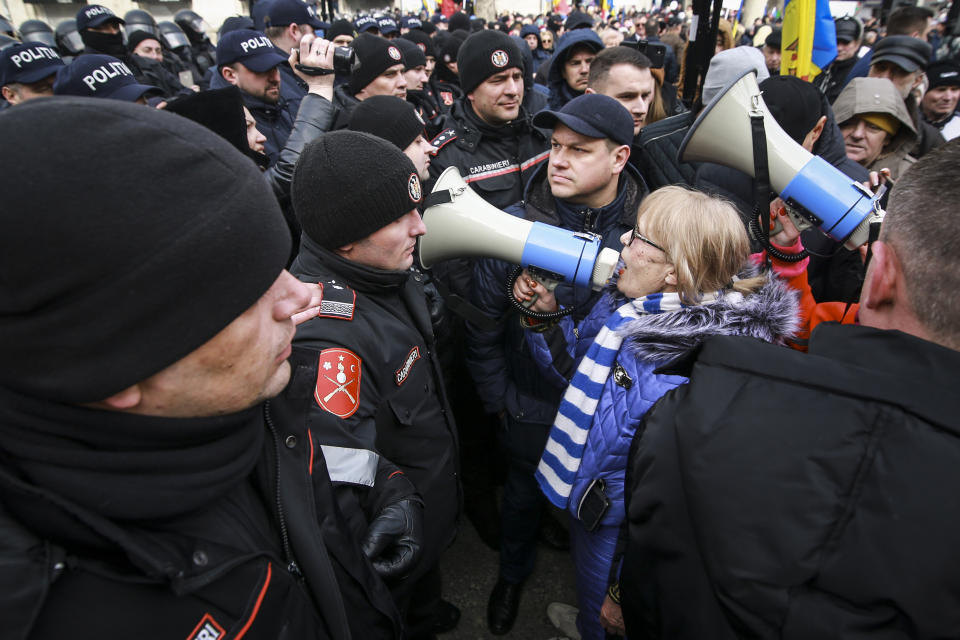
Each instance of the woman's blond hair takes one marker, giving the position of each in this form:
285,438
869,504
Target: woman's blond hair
704,239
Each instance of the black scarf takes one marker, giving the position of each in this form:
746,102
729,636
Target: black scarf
108,43
126,467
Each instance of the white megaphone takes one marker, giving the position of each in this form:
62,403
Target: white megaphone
460,224
841,207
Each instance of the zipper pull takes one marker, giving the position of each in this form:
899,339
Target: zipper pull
294,569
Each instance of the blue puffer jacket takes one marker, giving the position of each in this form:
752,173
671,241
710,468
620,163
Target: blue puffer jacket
506,377
560,91
633,386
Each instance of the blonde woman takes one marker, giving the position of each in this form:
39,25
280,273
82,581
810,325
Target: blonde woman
678,286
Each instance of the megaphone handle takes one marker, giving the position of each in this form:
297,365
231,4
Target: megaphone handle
546,283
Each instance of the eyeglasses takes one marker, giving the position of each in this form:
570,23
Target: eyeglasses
642,238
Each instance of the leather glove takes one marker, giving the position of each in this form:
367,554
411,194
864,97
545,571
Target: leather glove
394,538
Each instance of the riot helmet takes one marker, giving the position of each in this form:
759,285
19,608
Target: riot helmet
69,41
139,20
38,31
172,35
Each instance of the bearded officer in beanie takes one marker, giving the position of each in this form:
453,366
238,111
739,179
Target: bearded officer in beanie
139,463
379,73
366,379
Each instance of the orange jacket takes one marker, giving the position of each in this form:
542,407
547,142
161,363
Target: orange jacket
812,313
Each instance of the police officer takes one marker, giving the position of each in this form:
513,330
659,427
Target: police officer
248,60
100,30
287,22
139,465
97,76
379,73
488,136
27,71
367,380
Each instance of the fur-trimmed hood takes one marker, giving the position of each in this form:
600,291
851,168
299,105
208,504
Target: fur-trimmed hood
770,314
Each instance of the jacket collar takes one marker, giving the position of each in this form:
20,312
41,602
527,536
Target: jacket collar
316,262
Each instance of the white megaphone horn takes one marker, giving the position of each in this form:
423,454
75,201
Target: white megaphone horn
460,224
827,198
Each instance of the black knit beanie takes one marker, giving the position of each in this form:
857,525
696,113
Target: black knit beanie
348,184
138,36
412,55
375,55
340,27
484,54
388,117
112,269
459,20
451,43
422,40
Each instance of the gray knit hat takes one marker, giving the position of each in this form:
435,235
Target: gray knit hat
348,184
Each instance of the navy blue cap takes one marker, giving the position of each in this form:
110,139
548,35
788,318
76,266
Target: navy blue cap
365,23
99,76
252,49
387,25
95,15
284,12
409,22
592,115
28,62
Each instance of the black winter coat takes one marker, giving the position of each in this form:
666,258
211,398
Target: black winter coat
495,161
790,495
395,403
187,528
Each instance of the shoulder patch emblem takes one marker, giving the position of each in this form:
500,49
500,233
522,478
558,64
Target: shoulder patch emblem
208,629
499,58
447,97
404,372
443,139
338,382
339,300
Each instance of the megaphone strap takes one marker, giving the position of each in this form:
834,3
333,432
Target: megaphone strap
443,196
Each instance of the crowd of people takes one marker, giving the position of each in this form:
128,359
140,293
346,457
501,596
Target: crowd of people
234,404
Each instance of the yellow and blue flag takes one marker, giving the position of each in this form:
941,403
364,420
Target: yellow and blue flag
809,38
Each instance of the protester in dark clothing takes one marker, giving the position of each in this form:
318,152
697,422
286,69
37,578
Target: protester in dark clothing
287,22
851,492
570,66
531,35
367,381
671,66
145,469
939,104
903,60
834,77
595,192
906,20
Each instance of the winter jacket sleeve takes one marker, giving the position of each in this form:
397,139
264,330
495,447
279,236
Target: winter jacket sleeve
553,351
812,313
313,119
486,357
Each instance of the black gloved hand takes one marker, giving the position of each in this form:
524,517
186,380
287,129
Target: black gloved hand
394,538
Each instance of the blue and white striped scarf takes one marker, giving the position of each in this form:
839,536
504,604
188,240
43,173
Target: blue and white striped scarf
564,451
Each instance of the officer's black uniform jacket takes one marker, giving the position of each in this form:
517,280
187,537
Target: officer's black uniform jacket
496,162
799,495
175,528
401,410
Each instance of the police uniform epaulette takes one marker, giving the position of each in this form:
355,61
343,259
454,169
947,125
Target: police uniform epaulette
339,300
443,138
